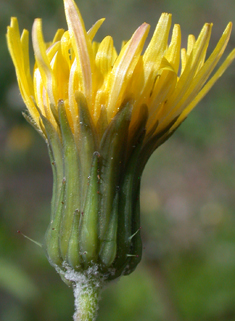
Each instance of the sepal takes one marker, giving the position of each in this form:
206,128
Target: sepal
128,220
73,254
56,157
52,245
86,141
72,174
88,230
112,148
108,250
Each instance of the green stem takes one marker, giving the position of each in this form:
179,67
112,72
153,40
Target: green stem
86,300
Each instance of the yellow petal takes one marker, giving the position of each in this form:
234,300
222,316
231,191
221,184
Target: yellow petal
95,47
66,48
190,44
124,67
185,79
38,90
164,86
206,70
72,88
81,45
61,72
93,30
173,52
17,48
206,88
104,57
184,59
157,46
25,49
58,35
42,60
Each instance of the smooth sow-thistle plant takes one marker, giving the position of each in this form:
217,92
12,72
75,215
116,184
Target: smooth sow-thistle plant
102,114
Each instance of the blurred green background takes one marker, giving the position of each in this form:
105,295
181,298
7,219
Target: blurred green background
188,188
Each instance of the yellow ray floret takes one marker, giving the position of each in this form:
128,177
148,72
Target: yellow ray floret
74,63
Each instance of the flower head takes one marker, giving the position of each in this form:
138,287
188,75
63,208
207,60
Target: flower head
102,115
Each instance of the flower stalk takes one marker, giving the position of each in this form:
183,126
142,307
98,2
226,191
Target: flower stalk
86,287
86,302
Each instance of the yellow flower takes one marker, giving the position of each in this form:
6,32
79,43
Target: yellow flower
73,62
102,115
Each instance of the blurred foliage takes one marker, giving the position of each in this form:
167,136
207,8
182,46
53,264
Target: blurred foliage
188,203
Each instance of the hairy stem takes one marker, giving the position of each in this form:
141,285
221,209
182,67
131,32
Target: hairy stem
86,300
87,286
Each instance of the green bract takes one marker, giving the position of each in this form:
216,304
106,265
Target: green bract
95,205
